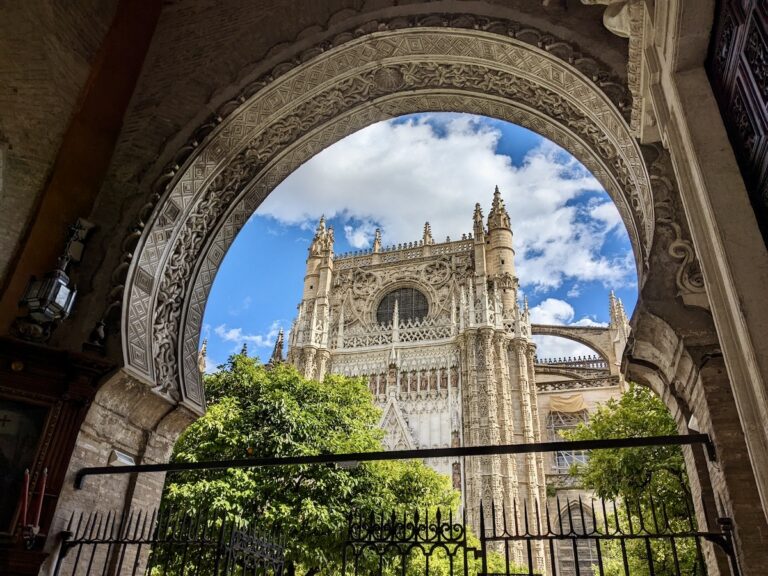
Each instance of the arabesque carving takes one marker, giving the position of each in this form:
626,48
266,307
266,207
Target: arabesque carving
292,117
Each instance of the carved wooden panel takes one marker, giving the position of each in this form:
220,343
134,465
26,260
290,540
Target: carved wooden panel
738,71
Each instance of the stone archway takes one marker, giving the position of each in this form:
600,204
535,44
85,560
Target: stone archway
294,116
594,337
431,64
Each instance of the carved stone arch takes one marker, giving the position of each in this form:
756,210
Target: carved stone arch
588,336
296,115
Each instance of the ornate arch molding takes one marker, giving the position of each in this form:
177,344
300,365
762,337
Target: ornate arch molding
291,118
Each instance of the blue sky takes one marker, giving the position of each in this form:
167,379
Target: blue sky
571,247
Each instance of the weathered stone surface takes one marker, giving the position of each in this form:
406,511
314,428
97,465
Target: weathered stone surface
47,49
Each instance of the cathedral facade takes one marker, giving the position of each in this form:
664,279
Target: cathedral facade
440,334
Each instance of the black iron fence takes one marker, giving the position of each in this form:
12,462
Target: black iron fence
602,537
567,538
168,542
555,538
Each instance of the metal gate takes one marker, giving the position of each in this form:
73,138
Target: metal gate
408,543
556,538
167,542
569,538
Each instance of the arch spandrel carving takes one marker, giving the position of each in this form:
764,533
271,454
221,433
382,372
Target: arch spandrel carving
317,103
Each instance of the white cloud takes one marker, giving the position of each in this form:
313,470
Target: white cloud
555,311
574,291
398,174
360,236
238,337
607,213
552,311
211,365
586,321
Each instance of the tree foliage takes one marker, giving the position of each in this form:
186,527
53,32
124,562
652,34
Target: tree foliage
259,412
648,482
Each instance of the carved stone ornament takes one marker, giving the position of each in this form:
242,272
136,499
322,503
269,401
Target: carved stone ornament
688,275
286,120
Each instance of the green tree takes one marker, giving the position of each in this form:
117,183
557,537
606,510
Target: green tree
259,412
648,482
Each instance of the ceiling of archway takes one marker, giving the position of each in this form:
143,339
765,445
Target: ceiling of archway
292,118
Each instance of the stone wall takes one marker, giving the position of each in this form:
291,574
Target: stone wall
698,394
124,416
47,48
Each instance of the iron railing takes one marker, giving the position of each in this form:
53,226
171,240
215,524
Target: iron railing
527,448
571,538
166,542
605,538
557,538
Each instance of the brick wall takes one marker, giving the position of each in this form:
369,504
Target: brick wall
47,48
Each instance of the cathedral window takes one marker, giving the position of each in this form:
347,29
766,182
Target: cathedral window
558,422
411,305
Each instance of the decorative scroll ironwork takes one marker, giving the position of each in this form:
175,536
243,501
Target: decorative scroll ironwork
408,543
596,537
579,539
582,537
165,542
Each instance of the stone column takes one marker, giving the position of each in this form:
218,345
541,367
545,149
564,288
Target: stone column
308,368
531,460
507,436
542,486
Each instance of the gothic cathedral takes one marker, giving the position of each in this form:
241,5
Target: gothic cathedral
439,332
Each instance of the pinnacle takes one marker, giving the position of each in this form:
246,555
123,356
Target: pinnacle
427,237
320,225
498,217
277,351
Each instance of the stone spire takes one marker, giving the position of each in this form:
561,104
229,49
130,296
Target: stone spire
619,327
323,239
377,241
498,217
277,351
616,309
478,221
201,362
500,255
427,234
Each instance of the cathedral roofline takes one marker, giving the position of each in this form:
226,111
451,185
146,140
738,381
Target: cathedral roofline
435,248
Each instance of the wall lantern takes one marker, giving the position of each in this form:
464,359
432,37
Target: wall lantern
50,299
